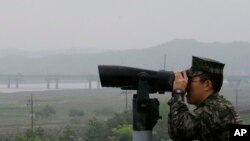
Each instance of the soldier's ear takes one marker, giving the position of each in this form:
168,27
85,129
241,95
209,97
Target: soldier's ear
208,85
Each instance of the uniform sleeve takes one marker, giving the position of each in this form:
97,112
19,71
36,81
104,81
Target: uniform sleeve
182,124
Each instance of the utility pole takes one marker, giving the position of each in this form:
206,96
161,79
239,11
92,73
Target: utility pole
31,104
237,95
126,100
126,93
164,61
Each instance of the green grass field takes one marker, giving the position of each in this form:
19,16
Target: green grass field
15,114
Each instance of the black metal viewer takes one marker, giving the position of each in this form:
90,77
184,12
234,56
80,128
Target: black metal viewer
145,109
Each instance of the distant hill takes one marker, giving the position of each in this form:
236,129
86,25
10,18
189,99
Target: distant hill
178,57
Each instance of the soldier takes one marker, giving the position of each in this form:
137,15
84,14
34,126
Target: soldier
213,115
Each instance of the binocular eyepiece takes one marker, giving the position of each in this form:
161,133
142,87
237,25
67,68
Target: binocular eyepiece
127,78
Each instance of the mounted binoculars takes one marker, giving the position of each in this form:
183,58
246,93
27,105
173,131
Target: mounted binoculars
127,78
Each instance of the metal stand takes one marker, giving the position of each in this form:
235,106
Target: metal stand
145,111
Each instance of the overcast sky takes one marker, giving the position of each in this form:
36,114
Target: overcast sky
120,24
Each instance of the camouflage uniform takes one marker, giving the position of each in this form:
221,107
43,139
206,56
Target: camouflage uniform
211,119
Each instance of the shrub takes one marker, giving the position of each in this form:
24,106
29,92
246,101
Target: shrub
45,111
105,111
76,113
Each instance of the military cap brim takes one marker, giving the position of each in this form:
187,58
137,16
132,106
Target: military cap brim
202,65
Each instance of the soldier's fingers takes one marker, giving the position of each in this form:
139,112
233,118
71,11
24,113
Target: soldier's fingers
181,75
185,75
178,75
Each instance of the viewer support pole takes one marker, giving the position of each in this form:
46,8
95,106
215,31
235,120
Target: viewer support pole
145,111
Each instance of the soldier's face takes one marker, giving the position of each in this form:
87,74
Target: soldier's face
194,91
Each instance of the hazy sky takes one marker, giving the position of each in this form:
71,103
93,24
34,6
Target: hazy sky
120,24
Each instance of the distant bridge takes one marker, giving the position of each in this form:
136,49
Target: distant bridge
56,78
237,78
19,78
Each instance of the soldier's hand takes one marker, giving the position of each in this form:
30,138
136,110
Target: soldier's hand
180,81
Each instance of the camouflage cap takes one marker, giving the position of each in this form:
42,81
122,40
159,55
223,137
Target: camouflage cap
205,65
